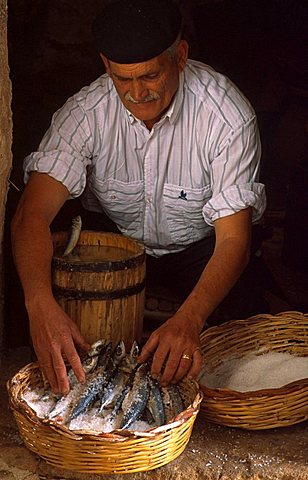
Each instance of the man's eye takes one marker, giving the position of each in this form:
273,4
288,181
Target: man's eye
152,76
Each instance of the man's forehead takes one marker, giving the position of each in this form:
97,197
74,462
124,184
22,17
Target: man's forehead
137,69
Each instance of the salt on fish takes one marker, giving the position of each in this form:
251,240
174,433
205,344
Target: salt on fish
105,411
40,403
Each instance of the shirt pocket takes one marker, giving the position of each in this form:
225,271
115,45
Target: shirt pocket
122,202
183,208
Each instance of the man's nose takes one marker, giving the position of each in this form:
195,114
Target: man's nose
138,91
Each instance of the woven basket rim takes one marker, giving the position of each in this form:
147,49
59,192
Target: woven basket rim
289,314
19,405
215,331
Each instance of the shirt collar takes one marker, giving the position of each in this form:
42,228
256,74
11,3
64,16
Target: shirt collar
174,108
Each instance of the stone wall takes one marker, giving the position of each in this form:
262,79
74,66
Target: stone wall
5,144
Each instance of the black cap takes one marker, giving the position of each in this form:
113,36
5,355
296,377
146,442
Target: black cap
133,31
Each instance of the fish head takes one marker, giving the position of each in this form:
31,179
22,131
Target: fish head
90,363
142,370
129,362
134,351
77,222
119,352
96,347
105,354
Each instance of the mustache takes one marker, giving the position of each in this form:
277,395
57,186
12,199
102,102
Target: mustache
152,96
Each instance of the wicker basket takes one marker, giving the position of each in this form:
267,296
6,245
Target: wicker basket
262,409
121,452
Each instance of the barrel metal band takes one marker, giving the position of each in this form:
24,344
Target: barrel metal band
63,264
73,294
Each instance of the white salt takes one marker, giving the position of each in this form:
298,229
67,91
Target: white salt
89,421
40,403
92,421
254,372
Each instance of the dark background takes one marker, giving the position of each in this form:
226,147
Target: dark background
260,44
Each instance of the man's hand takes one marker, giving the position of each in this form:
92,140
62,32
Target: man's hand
54,335
176,350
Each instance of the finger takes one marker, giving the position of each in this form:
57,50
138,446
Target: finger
46,365
183,368
196,365
74,360
148,348
171,367
60,371
159,358
79,339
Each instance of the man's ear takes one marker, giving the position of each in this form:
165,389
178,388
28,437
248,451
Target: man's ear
182,54
106,62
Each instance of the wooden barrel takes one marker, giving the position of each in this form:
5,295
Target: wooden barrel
104,297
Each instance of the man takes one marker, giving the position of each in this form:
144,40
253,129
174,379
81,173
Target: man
169,150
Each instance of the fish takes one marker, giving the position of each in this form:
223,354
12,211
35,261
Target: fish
97,347
172,400
64,404
117,384
120,390
74,236
104,356
88,366
155,403
97,381
130,361
62,410
99,354
136,398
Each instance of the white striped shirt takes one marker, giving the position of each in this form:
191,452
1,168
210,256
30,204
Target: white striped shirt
165,187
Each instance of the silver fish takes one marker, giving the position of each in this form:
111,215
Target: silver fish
118,404
74,236
88,366
97,381
172,400
62,410
155,403
113,391
130,361
97,347
136,399
64,405
117,384
105,355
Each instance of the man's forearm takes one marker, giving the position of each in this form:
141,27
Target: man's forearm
31,238
32,251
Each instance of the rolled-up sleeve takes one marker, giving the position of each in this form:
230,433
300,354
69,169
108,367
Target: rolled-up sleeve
235,174
65,150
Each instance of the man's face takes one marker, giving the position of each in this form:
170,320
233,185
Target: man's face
146,89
